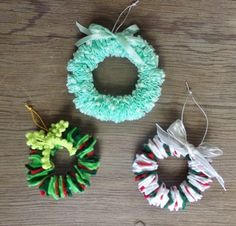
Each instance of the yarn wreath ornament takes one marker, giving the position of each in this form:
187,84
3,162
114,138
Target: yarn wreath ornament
42,171
99,44
174,143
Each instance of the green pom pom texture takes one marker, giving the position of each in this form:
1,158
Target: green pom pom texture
93,49
42,171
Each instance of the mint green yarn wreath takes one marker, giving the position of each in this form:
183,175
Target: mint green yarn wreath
99,44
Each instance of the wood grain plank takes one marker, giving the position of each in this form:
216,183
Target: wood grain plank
196,41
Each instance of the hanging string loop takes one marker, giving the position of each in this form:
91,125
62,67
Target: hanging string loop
38,121
190,94
127,10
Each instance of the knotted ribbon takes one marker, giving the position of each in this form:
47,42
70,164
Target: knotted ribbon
125,38
176,137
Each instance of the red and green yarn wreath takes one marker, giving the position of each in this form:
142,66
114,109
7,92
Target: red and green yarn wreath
42,171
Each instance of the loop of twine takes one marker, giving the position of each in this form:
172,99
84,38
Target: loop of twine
36,118
128,9
190,94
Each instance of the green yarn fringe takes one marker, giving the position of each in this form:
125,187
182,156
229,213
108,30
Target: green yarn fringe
46,178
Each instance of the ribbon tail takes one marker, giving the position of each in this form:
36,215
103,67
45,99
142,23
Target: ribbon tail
208,169
221,181
83,29
130,50
209,151
131,30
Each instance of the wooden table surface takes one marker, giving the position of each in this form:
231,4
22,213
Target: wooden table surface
196,41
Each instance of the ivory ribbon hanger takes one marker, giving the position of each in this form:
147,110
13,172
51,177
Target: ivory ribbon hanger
201,155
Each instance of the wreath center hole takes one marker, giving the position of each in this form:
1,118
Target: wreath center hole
172,171
115,76
63,162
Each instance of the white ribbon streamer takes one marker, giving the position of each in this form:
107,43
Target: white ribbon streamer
176,137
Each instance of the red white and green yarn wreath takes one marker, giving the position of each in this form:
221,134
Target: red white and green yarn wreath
43,146
174,143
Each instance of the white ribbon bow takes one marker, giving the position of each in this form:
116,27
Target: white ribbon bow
176,137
